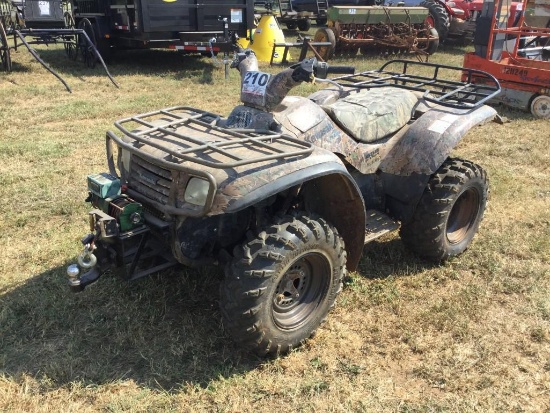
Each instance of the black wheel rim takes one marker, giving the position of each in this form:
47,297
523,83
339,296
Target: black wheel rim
463,216
301,290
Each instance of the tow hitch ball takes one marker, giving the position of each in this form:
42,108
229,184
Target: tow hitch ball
87,261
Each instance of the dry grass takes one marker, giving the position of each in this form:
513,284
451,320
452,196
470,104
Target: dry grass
471,335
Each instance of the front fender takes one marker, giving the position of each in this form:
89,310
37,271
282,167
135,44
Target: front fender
326,187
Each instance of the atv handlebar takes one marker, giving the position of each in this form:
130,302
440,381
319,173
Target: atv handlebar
304,70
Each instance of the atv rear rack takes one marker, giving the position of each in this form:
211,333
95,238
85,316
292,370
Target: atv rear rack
436,89
189,134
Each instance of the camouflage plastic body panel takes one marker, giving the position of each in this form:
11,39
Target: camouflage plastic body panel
424,146
373,114
377,14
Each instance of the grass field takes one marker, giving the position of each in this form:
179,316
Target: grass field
469,335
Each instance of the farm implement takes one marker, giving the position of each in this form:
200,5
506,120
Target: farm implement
44,22
517,55
369,29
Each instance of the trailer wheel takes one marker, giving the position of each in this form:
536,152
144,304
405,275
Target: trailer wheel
70,42
281,285
304,25
85,44
449,212
325,34
291,25
540,106
5,58
438,18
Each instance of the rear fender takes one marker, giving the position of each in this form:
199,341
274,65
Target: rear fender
327,190
422,150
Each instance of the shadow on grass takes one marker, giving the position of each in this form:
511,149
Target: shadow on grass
163,63
382,259
161,332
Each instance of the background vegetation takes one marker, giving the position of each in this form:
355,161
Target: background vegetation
471,334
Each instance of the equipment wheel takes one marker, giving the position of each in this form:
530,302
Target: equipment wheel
85,48
5,58
280,286
438,18
449,212
304,25
291,25
433,42
321,21
540,106
70,41
325,34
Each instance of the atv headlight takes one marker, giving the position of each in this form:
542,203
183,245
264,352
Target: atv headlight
196,191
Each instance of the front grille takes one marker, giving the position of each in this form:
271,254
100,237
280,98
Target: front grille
149,180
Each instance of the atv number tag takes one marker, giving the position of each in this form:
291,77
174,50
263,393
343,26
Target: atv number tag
254,87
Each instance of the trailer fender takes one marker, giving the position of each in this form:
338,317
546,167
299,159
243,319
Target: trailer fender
422,150
328,190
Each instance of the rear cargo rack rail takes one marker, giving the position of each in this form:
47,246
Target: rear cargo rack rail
177,124
458,94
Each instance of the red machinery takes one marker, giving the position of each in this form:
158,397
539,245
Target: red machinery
517,55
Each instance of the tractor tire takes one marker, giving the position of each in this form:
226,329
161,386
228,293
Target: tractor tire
439,18
304,25
449,212
280,286
325,34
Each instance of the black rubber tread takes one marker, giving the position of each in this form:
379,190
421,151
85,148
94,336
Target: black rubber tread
291,26
253,275
441,18
426,233
304,25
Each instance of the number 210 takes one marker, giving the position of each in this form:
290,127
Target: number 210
256,78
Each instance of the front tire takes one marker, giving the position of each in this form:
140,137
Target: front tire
280,286
449,212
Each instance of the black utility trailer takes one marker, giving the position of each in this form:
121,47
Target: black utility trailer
187,25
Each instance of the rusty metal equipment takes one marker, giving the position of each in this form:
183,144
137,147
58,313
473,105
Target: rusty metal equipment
44,22
380,29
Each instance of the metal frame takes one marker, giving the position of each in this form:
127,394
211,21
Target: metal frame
445,92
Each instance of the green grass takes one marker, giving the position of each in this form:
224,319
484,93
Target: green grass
471,334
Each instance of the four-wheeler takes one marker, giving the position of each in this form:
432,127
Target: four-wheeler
371,29
285,191
517,55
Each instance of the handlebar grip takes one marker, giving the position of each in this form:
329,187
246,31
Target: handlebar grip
341,70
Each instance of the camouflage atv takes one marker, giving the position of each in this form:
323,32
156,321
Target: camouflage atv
285,191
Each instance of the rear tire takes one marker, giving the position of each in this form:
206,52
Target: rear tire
439,17
449,212
280,286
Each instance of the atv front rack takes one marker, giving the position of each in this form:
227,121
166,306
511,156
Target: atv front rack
437,82
188,134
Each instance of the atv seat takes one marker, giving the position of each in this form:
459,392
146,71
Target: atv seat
373,114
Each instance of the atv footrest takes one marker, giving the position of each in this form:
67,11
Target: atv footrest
378,224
